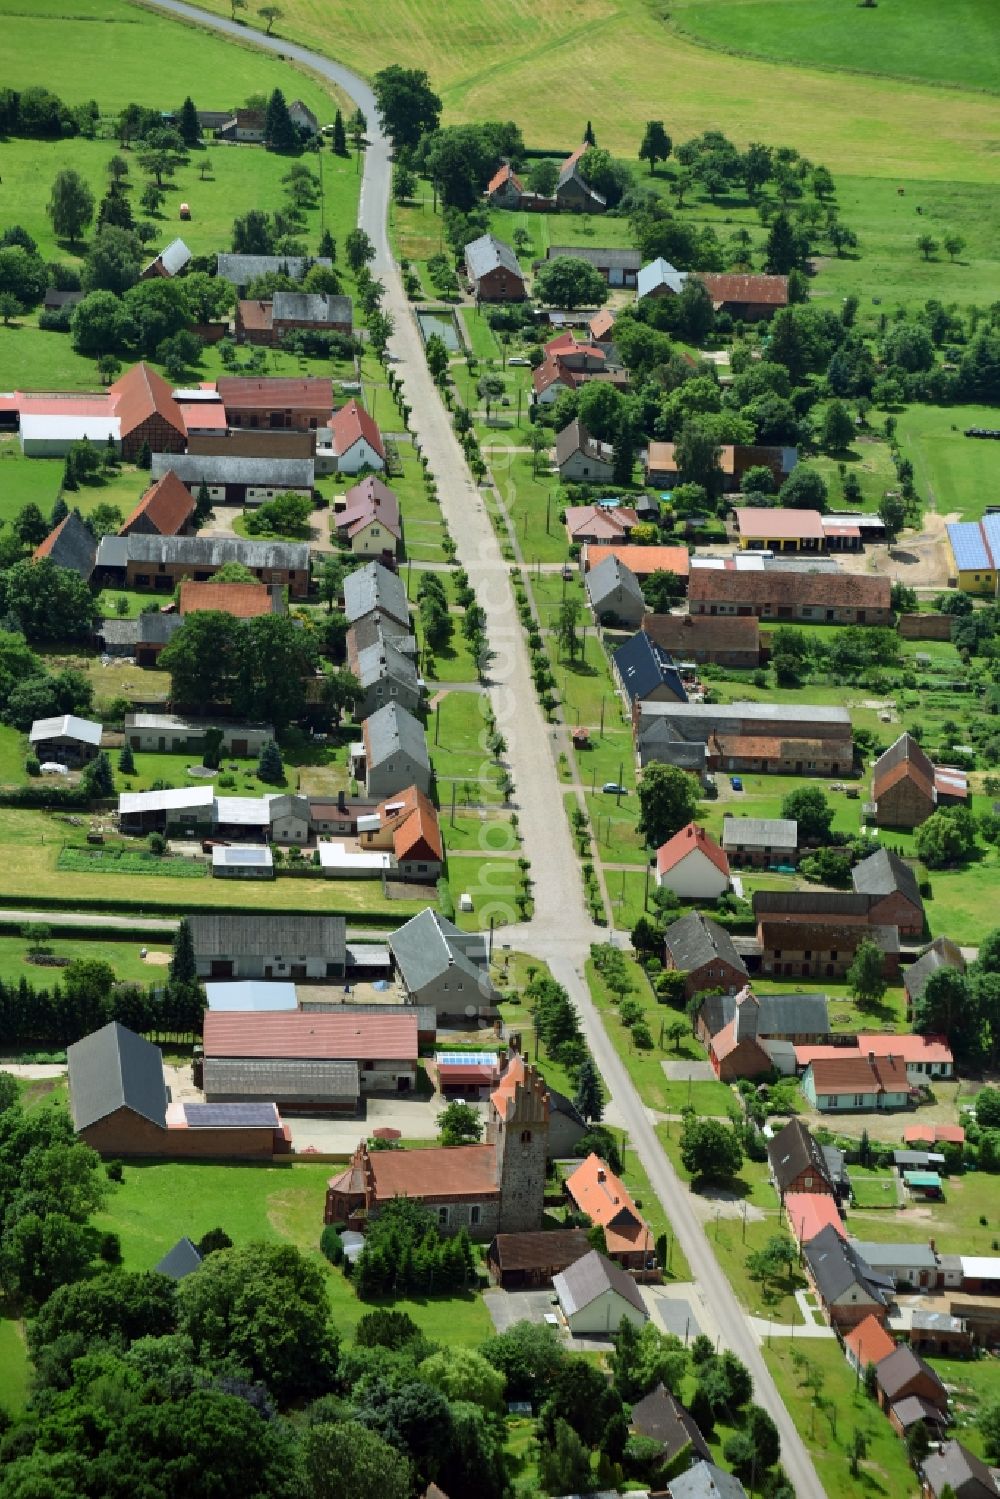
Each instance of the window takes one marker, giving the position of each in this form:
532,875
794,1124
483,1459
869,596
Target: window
475,1213
442,1217
808,1181
833,1100
526,1137
859,1099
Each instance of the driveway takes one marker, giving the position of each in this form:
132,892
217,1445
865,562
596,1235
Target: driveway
508,1307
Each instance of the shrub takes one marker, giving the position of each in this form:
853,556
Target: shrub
33,765
331,1245
115,1171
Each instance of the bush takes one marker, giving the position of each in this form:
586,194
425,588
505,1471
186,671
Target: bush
33,765
110,1249
115,1171
331,1245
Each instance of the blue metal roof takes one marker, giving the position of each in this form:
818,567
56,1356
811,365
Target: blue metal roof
251,994
642,666
969,547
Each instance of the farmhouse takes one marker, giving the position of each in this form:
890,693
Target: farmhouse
121,1106
572,192
774,593
821,949
231,480
924,1057
161,562
800,1164
736,1051
780,738
706,1481
303,403
240,600
441,966
269,946
180,1261
144,405
240,270
907,787
614,593
267,322
246,126
384,673
608,524
734,460
166,509
658,278
953,1468
747,298
373,592
868,1343
68,739
661,1419
593,1189
167,733
596,1296
249,861
618,266
168,263
492,271
905,1373
760,842
779,530
692,865
975,548
489,1189
505,189
141,638
849,1290
520,1262
393,752
799,1019
704,952
699,638
856,1082
315,1061
942,953
644,561
580,458
252,994
645,672
188,808
352,443
893,891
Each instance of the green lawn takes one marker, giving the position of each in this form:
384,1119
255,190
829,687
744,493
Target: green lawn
15,1369
975,1383
874,1190
123,956
493,885
952,470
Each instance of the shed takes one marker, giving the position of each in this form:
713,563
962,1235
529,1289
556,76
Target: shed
180,1261
248,861
596,1296
73,740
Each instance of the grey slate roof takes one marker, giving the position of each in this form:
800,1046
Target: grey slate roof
706,1481
886,1257
391,730
794,1150
582,1282
382,662
173,257
428,945
806,903
942,953
659,272
154,628
914,1408
264,935
614,258
760,832
281,1077
242,269
74,547
607,577
560,1104
216,551
195,468
884,873
956,1466
898,1368
836,1266
643,666
695,940
574,438
114,1068
663,1419
375,587
487,253
310,307
779,1014
182,1260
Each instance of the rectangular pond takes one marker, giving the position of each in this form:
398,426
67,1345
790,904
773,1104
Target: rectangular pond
442,321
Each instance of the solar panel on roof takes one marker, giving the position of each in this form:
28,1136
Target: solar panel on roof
231,1115
968,546
466,1059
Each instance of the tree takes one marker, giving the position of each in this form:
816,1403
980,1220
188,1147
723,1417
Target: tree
407,105
23,274
947,838
339,135
98,778
866,975
359,249
489,389
808,806
253,234
661,590
10,308
567,621
151,200
804,489
782,252
279,128
927,245
404,183
460,1124
668,799
183,967
71,205
202,504
589,1098
348,1458
187,123
989,1426
564,1463
270,14
340,692
269,765
126,759
696,454
892,513
113,261
463,1374
948,1006
710,1149
954,244
838,428
436,354
570,283
50,603
656,144
179,353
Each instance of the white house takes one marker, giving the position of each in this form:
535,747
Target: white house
596,1296
692,865
355,442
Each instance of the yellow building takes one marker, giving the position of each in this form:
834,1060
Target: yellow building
975,550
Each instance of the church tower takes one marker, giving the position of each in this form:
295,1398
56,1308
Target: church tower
518,1131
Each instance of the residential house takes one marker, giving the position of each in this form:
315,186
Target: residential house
441,966
269,946
645,672
856,1083
790,594
239,600
304,1060
809,1213
905,1373
941,953
903,787
393,752
355,442
568,365
523,1262
706,1481
893,891
658,278
140,639
407,825
614,593
373,592
736,1051
596,1296
780,738
492,271
661,1418
692,865
179,1262
120,1106
168,263
925,1057
593,1189
604,524
161,562
302,403
70,544
849,1290
572,193
799,1163
601,326
746,298
799,1019
908,1266
369,520
240,270
303,118
699,639
760,842
953,1468
644,561
505,189
246,126
268,321
489,1189
580,458
386,674
231,480
618,266
940,1334
171,734
868,1343
166,509
66,738
247,861
704,952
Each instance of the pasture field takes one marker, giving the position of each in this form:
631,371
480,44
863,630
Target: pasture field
956,472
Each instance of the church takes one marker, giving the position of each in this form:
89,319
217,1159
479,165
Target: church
494,1188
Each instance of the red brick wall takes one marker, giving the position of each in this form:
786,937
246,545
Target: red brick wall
501,285
125,1133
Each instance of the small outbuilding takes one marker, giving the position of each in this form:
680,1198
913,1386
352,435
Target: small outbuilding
596,1296
71,740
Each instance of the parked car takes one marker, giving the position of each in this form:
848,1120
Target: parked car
518,362
614,788
736,782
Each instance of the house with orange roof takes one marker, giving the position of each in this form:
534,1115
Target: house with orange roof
505,188
736,1050
145,407
240,600
609,524
408,825
601,326
594,1190
868,1343
809,1213
166,509
355,441
854,1082
924,1057
934,1134
644,561
692,865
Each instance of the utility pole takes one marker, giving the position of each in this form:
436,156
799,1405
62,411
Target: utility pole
437,722
621,772
453,803
603,701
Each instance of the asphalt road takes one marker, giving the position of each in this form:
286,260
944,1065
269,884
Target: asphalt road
560,930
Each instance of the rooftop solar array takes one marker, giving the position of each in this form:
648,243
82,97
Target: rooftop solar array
968,546
231,1115
466,1058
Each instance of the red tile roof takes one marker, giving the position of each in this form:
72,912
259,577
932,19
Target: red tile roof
934,1134
239,393
770,291
601,323
693,837
852,1072
368,501
597,1192
415,824
241,600
501,175
257,315
449,1171
168,505
810,1212
141,393
587,520
203,416
350,424
869,1342
910,1048
296,1033
766,521
644,560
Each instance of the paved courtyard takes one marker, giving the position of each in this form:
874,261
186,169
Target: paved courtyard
687,1070
508,1307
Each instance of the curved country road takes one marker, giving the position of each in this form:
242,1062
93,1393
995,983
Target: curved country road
560,931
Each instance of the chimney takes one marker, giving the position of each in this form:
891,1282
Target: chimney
341,800
602,1175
